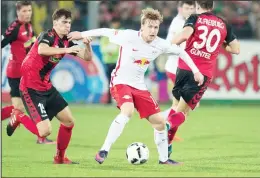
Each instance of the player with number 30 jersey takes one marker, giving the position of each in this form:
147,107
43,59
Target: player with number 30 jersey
204,33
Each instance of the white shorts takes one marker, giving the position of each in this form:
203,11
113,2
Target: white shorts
172,64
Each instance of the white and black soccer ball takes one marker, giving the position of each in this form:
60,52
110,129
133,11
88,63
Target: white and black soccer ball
137,153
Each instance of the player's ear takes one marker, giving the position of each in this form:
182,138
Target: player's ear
54,22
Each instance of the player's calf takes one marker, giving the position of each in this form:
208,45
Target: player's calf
44,128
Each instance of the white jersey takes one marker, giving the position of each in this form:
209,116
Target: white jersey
175,27
135,55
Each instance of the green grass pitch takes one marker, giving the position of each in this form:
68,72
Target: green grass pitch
218,141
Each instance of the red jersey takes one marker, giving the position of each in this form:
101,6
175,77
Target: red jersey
204,44
36,69
21,37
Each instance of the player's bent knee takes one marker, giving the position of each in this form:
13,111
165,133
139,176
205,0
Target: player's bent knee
68,122
127,109
20,107
44,128
158,122
161,126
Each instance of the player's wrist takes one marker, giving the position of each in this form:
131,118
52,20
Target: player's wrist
195,70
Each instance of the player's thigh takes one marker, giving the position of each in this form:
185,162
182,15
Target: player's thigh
175,103
35,104
181,77
182,106
124,98
157,121
145,104
56,106
192,93
171,76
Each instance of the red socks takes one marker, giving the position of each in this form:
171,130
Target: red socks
176,119
29,124
63,139
6,112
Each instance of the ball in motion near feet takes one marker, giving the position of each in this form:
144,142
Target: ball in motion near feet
137,153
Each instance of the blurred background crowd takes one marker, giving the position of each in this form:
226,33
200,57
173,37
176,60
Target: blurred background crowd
244,16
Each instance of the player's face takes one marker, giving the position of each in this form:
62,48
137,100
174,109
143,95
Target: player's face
198,9
187,10
150,29
25,13
62,25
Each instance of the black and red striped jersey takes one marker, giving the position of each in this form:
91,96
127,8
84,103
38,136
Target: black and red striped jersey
36,69
20,36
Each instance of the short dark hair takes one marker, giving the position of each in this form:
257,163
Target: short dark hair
20,4
191,3
205,4
115,19
58,13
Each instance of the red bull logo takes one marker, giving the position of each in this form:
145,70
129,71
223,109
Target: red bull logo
142,62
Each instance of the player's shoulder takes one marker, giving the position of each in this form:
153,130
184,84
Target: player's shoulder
212,16
162,42
46,37
14,25
131,32
48,33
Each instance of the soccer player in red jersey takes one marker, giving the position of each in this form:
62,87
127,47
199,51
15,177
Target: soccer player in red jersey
20,36
204,33
41,99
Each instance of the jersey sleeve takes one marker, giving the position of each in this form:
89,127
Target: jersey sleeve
191,21
230,34
171,48
47,38
120,37
10,34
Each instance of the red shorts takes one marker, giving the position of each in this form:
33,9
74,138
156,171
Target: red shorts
143,101
171,76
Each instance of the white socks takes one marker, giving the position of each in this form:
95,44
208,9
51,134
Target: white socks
115,131
166,113
161,140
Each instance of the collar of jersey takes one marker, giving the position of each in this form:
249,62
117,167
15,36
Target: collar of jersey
56,34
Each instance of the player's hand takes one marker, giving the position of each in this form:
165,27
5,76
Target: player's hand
87,40
73,50
74,36
198,77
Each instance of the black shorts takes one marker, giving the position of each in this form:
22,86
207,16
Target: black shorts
187,88
42,105
14,85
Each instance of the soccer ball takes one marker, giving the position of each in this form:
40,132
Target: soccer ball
137,153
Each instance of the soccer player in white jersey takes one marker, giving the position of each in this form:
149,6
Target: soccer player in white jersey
185,9
137,50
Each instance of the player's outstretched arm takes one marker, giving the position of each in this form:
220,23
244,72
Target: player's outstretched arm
86,53
181,37
174,49
45,50
93,33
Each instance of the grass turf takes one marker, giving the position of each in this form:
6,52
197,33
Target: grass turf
218,141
